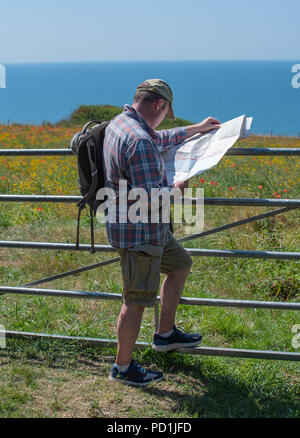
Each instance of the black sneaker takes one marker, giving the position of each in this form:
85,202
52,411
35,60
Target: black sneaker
135,375
178,339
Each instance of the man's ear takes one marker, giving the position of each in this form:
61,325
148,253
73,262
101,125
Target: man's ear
158,104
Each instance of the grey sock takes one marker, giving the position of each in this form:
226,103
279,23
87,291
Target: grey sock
122,368
167,334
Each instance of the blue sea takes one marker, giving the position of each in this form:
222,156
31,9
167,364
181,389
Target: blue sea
224,89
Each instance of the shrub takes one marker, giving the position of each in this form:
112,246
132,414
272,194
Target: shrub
85,113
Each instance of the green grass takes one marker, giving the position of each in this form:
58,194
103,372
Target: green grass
45,378
193,386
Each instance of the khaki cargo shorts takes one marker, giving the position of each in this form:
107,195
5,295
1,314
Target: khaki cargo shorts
142,265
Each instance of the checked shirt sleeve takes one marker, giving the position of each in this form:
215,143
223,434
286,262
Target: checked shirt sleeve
170,137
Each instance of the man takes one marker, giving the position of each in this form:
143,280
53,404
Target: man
132,152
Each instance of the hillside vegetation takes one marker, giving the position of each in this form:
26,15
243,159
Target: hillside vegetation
103,113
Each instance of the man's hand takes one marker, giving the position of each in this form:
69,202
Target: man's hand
181,185
204,126
209,124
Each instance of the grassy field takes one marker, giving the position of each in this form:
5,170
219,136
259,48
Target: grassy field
50,379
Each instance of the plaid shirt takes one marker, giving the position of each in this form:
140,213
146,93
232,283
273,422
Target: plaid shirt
132,152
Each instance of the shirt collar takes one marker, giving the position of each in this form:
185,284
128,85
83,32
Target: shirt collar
134,114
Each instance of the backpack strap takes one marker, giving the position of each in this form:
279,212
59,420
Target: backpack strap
92,231
83,131
92,214
80,207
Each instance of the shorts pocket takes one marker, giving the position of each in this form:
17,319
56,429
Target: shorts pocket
141,272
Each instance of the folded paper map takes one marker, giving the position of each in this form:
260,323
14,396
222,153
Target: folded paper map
201,152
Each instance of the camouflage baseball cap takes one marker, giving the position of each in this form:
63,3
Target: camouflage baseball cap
161,88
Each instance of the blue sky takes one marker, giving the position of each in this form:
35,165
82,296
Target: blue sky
119,30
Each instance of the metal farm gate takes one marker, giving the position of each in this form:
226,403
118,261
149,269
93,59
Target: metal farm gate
284,204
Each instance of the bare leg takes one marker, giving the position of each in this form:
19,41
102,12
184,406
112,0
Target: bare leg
170,294
128,327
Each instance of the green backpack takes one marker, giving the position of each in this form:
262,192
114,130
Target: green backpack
87,145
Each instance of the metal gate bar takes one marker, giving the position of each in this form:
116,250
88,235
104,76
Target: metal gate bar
192,251
245,202
181,240
204,351
289,204
231,151
118,297
235,224
73,272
